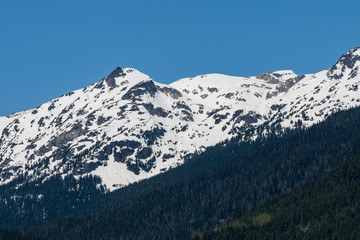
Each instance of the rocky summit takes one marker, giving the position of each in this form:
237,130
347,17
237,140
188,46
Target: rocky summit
127,127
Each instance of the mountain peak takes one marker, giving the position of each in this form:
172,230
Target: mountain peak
110,79
117,72
127,74
347,65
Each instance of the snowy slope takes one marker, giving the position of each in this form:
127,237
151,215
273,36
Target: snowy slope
127,127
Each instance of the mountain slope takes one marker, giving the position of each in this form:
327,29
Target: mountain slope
127,127
240,185
39,201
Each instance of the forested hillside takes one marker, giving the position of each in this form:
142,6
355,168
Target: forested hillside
328,209
241,184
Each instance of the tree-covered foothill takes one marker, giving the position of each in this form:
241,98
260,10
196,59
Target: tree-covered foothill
25,204
242,184
14,235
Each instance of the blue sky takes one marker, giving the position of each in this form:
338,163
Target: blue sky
48,48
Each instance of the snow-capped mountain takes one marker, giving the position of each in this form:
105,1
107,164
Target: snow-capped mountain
128,127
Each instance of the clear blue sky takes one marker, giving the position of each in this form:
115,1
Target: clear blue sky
48,48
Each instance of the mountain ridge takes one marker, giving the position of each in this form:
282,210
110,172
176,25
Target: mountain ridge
127,127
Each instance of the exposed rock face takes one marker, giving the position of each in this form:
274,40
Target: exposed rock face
110,79
140,89
268,78
175,94
127,127
155,111
284,86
